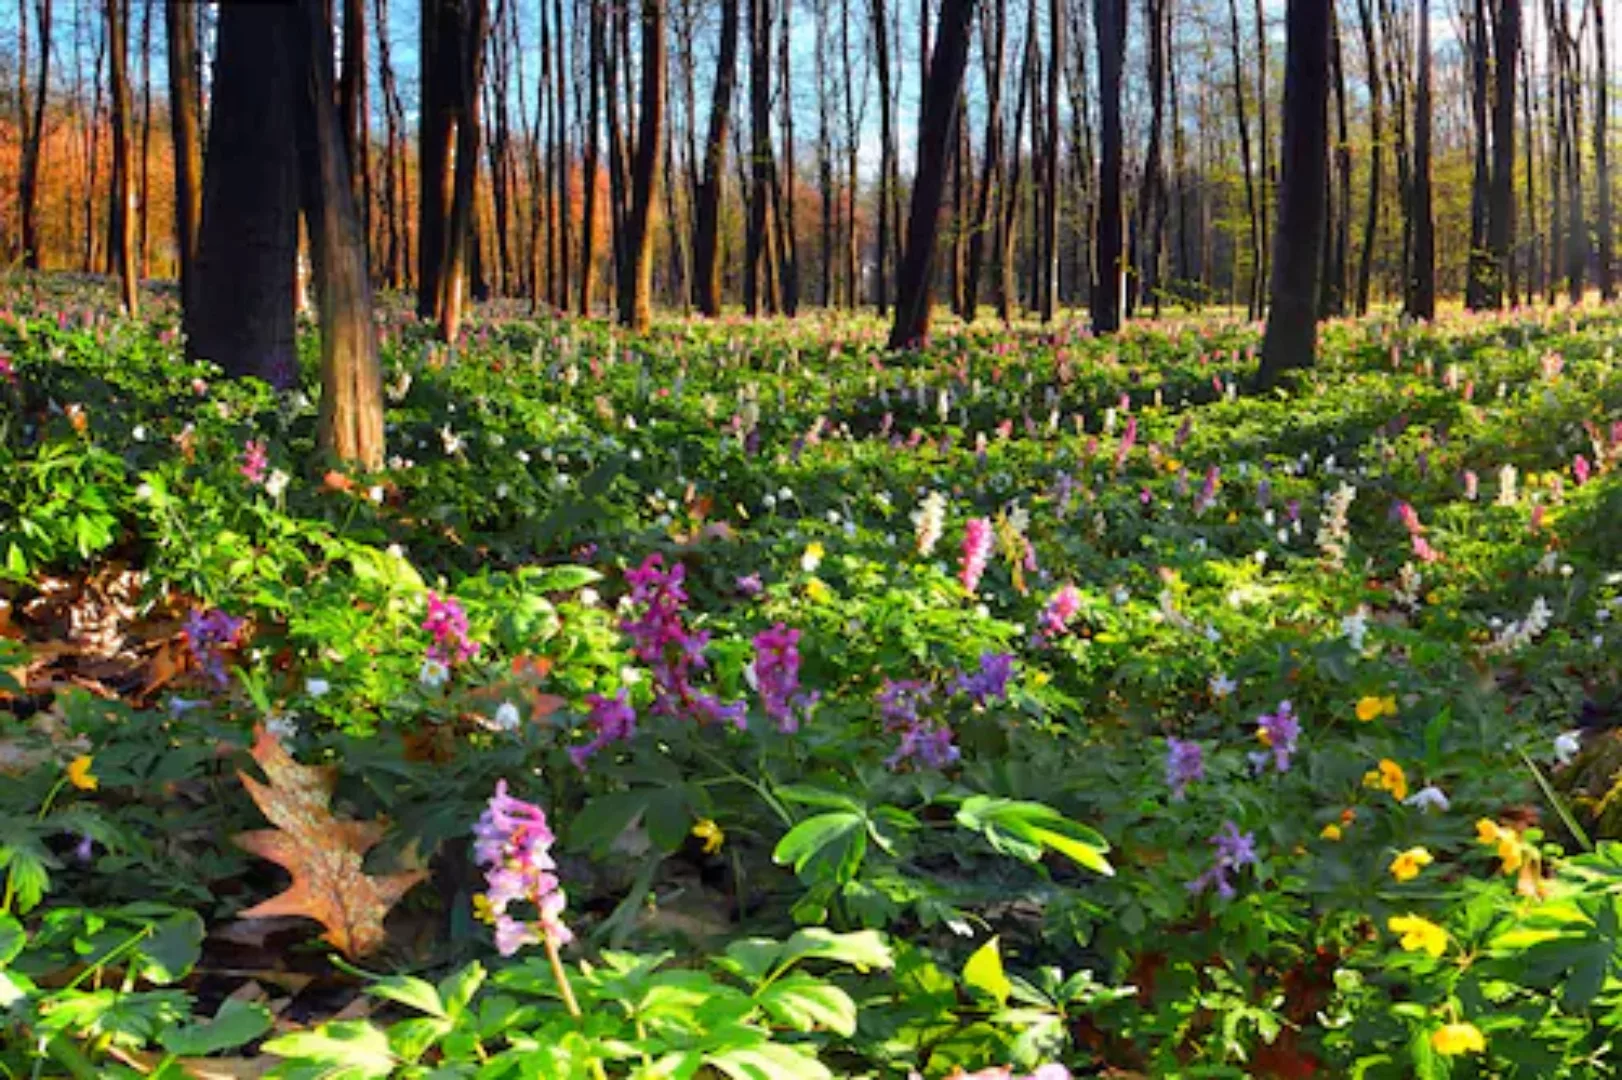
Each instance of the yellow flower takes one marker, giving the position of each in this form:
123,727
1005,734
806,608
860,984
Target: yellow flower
1455,1039
709,832
1233,516
812,557
1407,865
1171,464
79,774
818,591
1388,776
482,908
1419,934
1508,842
1372,708
1331,832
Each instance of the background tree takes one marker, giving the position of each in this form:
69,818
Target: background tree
123,208
1501,201
33,142
1109,267
1422,288
636,300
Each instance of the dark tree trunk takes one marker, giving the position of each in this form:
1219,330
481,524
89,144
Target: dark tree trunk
707,215
350,424
144,195
1422,292
1501,203
122,208
1108,265
186,129
636,301
561,294
883,264
1050,176
995,23
394,185
588,234
946,66
241,310
1151,193
1477,287
1007,226
825,162
788,246
33,140
353,107
1371,219
1602,160
1292,325
755,261
1341,239
448,156
1252,200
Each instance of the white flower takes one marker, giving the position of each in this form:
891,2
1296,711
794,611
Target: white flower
1355,628
522,456
276,483
144,492
316,687
453,442
1429,797
1222,686
281,727
139,434
375,493
506,718
930,520
1566,746
1120,595
1506,485
811,559
750,676
433,674
590,597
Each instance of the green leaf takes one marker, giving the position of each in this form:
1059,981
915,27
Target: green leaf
984,972
768,1061
1026,829
837,840
353,1045
604,819
412,992
806,795
410,1039
863,949
237,1023
806,1003
457,990
173,948
559,578
12,939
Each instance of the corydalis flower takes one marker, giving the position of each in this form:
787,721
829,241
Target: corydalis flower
930,520
513,843
923,741
208,635
1185,763
1234,850
990,682
255,460
611,720
977,539
660,639
777,677
447,623
1277,732
1061,608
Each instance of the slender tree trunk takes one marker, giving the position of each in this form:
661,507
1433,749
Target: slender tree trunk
143,196
852,137
588,234
1501,202
946,66
1341,241
995,25
636,311
789,246
1264,145
884,264
1422,303
1152,191
34,140
122,207
1477,286
757,268
1252,201
1292,328
354,111
707,216
1371,219
565,168
1109,267
825,163
1602,160
1050,178
240,306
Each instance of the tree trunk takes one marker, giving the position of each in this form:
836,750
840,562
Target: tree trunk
1501,201
144,194
707,215
883,264
353,107
635,301
1422,298
563,170
946,66
1152,191
350,423
448,155
788,247
1602,161
588,234
240,313
1477,285
1371,219
394,185
755,263
1108,265
1050,176
995,25
1252,201
122,205
33,141
1292,326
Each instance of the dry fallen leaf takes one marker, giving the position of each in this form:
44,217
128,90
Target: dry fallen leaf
322,852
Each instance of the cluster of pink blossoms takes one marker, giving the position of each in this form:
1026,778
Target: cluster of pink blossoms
977,536
514,844
1410,521
777,678
255,460
660,639
1061,608
447,622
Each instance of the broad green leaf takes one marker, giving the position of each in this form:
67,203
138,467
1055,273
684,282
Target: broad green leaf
457,990
984,972
12,939
411,992
237,1023
838,840
349,1044
863,949
173,948
806,1003
768,1061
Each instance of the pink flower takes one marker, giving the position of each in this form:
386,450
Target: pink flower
1062,607
447,622
254,461
976,552
1580,469
513,842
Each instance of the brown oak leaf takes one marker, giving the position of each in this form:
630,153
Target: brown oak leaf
323,853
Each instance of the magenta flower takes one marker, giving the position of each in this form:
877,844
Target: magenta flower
660,638
1062,607
1580,469
513,842
976,552
611,720
777,677
447,622
1128,438
255,460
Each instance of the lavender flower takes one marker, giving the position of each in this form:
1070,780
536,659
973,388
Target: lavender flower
1185,763
611,719
513,843
777,677
990,682
660,638
208,634
1277,732
1234,850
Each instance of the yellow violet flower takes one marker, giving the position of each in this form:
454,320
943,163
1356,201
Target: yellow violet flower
1388,776
79,774
1452,1040
1331,832
1419,934
709,832
1407,865
1372,708
1507,840
483,910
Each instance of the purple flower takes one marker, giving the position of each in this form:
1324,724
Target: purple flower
777,677
1207,494
660,638
1128,438
1185,763
208,634
1234,850
513,842
900,702
1277,732
990,682
611,720
1061,608
750,585
930,745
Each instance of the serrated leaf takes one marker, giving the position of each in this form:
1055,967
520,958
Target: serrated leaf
236,1024
410,991
984,972
323,853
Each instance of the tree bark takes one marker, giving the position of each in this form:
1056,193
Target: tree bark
1602,160
1501,201
1108,265
1371,218
448,155
707,215
1253,204
353,107
884,262
1292,325
588,235
995,23
33,141
1422,292
635,301
946,66
1477,285
121,206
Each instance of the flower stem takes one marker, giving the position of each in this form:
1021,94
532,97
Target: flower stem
567,992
